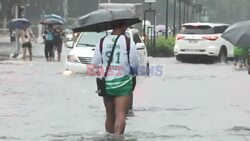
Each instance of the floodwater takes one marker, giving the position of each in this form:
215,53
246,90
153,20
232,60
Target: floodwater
190,102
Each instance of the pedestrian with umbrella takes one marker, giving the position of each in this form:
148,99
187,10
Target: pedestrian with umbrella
17,25
119,59
58,41
27,36
49,35
239,35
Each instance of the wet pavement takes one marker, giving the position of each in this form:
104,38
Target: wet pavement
190,102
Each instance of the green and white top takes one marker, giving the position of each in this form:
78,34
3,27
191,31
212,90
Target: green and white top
118,77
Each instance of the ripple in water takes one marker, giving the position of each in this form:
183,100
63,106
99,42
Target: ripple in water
239,131
153,109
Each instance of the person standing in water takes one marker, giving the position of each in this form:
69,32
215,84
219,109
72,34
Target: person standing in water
26,36
119,86
58,42
48,37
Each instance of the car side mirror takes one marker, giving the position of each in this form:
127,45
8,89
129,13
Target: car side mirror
69,44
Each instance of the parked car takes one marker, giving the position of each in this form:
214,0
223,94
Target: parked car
83,50
203,39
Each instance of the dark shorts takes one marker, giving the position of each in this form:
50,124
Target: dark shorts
28,45
58,48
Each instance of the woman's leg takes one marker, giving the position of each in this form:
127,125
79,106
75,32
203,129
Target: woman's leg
24,53
59,50
46,52
59,56
122,104
110,113
51,54
30,51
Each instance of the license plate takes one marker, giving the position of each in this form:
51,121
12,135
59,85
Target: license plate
193,41
192,50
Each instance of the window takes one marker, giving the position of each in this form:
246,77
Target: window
201,29
136,38
90,39
220,29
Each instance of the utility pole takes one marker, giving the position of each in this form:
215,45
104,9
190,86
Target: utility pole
174,22
65,12
187,11
179,15
166,25
184,12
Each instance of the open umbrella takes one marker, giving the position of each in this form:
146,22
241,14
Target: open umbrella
52,21
105,19
238,34
53,16
19,23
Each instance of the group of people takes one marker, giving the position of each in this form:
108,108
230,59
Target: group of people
53,39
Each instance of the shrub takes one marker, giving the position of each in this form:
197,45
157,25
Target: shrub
164,47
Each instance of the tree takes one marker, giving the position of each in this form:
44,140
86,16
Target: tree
227,11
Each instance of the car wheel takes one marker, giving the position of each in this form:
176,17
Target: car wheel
147,69
222,58
179,58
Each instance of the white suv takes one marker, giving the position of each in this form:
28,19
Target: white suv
83,50
203,39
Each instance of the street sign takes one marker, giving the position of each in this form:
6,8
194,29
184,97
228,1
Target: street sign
150,1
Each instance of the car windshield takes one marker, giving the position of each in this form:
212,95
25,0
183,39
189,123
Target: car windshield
189,29
90,39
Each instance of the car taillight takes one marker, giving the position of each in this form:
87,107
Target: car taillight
210,38
178,37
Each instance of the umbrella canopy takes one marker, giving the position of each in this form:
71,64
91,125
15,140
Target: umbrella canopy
19,23
51,21
105,19
238,34
53,16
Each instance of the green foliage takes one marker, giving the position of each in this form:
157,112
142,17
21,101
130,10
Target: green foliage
227,11
164,47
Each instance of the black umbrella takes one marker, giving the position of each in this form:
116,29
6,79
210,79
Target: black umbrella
105,19
19,23
238,34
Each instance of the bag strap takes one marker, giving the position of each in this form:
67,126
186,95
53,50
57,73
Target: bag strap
111,56
101,44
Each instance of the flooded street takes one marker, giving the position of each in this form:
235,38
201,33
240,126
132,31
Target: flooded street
190,102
